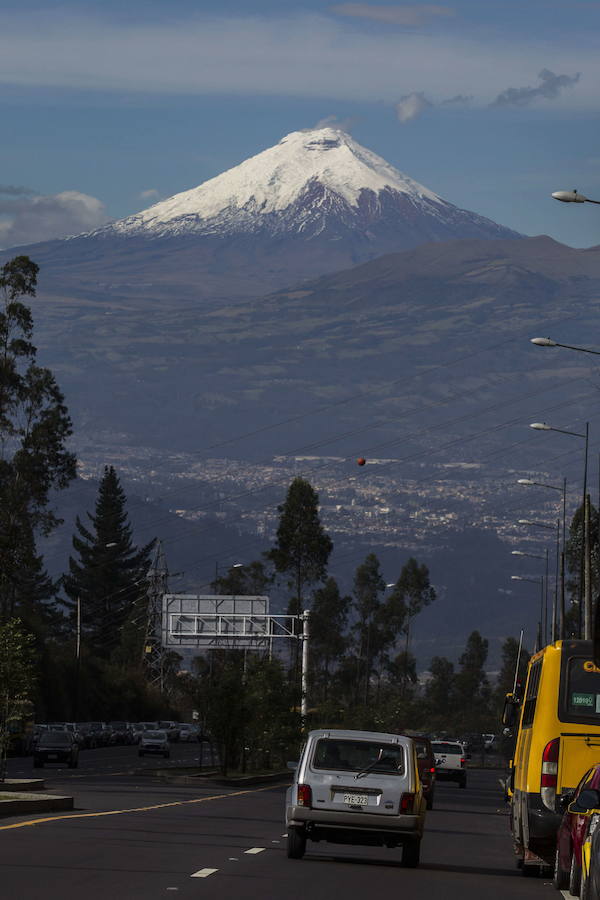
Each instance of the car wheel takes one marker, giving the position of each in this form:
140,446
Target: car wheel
574,877
38,764
411,852
167,755
463,783
140,752
560,878
296,842
73,764
429,801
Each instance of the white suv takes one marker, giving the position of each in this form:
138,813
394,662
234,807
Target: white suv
356,787
450,761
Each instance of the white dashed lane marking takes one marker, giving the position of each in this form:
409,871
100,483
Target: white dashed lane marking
253,850
203,873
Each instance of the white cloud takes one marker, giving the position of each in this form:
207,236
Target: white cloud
411,106
303,55
150,194
29,218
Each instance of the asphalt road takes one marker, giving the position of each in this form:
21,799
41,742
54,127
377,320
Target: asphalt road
132,836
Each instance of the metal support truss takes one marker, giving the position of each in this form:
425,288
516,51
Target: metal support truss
153,654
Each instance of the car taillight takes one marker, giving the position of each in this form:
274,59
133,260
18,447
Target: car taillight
432,770
304,795
406,802
549,778
462,761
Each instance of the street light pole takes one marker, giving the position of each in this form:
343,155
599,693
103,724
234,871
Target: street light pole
558,611
585,593
304,673
539,581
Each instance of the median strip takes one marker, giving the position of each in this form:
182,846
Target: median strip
136,809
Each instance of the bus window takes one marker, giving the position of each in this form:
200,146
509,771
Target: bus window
532,693
580,694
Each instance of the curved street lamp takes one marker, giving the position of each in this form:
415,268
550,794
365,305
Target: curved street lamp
549,342
572,197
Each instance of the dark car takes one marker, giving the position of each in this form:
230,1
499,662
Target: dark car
426,766
56,747
590,854
573,830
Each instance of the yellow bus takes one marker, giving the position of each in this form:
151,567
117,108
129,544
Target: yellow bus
558,740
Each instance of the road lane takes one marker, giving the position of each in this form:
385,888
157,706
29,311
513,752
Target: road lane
466,851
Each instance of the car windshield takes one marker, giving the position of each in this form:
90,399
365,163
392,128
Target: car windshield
156,735
356,756
448,749
54,737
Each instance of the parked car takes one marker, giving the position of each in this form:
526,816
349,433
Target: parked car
90,738
188,732
120,733
426,766
56,746
590,855
172,729
73,728
100,732
356,787
140,727
450,760
154,742
573,830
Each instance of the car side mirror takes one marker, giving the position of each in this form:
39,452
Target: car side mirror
292,765
587,800
565,800
509,713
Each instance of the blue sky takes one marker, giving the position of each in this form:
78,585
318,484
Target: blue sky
108,106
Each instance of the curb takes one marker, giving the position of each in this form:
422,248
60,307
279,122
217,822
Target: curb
255,779
27,785
26,803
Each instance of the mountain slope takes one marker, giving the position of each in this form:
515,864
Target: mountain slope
316,202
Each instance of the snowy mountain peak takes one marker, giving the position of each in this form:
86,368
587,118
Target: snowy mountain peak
275,180
314,184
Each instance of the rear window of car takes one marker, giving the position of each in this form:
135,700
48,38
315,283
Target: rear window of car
342,755
54,738
156,735
448,749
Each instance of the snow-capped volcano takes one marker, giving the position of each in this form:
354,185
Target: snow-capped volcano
317,182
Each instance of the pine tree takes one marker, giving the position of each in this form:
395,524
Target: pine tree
34,427
368,588
109,579
243,580
302,546
328,618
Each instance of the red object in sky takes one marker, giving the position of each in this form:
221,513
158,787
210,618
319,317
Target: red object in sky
361,460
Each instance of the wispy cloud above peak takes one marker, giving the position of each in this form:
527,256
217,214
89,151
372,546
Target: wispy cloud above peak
550,88
393,15
411,106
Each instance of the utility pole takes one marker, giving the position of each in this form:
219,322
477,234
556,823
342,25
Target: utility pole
153,653
304,672
77,661
587,573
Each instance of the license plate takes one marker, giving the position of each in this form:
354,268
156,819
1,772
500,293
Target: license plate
53,756
356,799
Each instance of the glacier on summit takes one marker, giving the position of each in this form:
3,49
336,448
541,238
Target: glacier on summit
316,182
